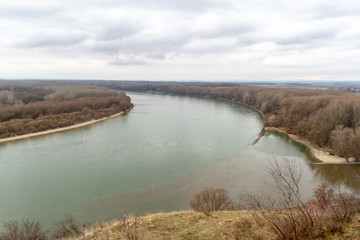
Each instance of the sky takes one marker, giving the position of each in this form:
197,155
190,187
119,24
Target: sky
202,40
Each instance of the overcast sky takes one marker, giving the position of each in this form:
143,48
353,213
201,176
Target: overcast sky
180,40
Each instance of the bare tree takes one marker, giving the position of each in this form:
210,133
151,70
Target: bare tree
28,230
287,213
68,227
131,228
211,199
337,206
289,216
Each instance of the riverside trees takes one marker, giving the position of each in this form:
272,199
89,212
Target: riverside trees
327,118
28,108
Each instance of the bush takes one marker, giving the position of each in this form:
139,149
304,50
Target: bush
290,217
130,228
210,200
336,207
28,230
68,227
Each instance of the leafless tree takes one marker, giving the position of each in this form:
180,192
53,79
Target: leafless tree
291,217
211,199
28,230
68,227
131,229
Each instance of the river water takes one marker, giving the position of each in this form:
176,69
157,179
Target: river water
152,159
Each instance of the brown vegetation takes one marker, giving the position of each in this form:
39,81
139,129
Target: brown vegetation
29,108
130,228
327,118
66,228
225,225
290,217
287,223
211,200
25,231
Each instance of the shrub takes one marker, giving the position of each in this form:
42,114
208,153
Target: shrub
130,228
334,207
211,199
68,227
28,230
290,217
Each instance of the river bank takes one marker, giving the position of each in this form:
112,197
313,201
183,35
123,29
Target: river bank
56,130
319,154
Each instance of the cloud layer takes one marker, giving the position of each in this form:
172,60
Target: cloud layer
180,40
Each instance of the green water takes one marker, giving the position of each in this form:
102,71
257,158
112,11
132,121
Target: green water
151,159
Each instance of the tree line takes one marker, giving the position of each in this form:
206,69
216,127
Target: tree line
327,118
29,108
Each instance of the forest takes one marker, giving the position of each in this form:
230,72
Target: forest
329,119
33,107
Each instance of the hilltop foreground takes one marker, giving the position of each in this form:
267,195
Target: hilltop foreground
195,225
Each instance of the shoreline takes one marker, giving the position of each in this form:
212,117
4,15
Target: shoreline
61,129
319,154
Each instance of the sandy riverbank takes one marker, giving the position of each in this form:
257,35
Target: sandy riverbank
317,153
55,130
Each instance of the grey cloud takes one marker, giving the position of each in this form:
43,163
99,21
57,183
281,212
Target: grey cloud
156,55
335,11
152,46
128,60
117,42
141,32
137,59
188,5
46,39
113,37
192,5
307,38
119,31
29,11
228,29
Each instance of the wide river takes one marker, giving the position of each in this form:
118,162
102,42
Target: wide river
154,158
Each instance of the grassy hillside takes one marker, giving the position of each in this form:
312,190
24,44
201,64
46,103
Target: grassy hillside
194,225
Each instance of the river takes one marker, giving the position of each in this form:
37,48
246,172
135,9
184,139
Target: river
152,159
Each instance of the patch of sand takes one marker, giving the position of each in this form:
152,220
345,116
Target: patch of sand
55,130
320,154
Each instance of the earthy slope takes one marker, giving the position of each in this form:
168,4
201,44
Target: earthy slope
194,225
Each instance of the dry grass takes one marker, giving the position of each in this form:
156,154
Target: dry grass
196,226
187,225
351,232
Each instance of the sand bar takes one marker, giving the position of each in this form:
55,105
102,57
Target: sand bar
319,154
55,130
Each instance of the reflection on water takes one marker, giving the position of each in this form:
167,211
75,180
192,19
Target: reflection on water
279,144
282,144
347,174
